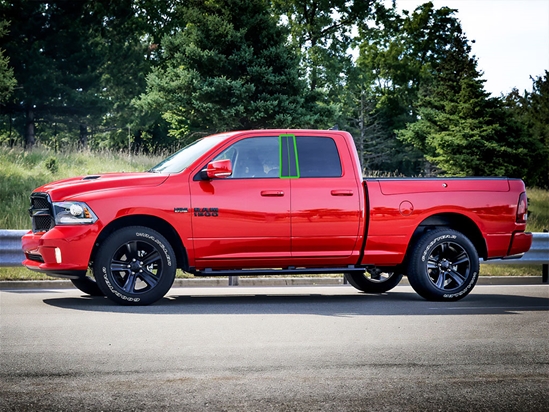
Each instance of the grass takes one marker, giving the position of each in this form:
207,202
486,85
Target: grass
21,172
538,210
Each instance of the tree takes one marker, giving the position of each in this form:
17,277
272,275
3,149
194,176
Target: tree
323,30
461,129
130,39
400,54
325,34
56,72
79,64
7,80
229,67
531,110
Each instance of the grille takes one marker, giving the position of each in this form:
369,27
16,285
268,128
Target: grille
41,212
40,202
36,258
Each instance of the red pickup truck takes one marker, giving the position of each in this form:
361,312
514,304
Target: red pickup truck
272,202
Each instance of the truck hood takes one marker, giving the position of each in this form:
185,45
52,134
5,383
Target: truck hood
67,188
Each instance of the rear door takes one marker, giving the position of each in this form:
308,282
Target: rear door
326,200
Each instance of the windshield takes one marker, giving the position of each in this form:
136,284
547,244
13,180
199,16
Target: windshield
182,159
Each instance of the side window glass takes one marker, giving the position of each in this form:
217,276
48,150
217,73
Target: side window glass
255,157
318,157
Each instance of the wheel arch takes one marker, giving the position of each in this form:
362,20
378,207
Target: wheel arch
152,222
455,221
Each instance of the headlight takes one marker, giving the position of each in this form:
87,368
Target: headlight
73,213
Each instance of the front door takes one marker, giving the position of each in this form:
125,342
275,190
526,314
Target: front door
244,219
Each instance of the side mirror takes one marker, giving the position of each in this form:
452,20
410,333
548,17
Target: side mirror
219,169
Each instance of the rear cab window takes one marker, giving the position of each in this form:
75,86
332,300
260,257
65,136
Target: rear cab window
318,157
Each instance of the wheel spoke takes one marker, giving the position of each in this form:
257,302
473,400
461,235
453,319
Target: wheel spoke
432,263
440,280
119,266
129,284
151,258
148,278
461,258
443,248
458,277
131,247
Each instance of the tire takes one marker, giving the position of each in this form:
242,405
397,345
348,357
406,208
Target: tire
135,266
88,285
374,280
443,265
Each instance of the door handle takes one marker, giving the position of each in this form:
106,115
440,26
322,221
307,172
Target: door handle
342,192
272,193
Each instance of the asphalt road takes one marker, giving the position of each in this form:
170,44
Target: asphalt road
276,349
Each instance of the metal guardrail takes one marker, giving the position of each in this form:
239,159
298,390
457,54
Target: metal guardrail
12,255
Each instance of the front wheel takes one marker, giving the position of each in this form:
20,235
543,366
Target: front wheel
374,280
443,265
87,285
135,266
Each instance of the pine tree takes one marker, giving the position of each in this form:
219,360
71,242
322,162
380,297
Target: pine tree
7,80
399,55
228,68
78,64
531,110
461,129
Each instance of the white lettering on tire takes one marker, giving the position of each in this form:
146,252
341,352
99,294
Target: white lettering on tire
433,242
464,291
115,292
159,243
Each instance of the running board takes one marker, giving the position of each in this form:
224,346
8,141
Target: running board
288,271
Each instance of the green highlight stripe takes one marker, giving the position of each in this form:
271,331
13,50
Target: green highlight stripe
296,157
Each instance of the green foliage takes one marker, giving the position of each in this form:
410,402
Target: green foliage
399,55
7,79
78,65
148,75
463,131
227,68
323,32
531,111
538,210
23,171
57,73
52,165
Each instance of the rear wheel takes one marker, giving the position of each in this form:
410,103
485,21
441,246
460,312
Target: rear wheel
374,280
135,266
443,265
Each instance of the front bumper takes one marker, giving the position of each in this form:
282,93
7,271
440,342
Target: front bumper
63,251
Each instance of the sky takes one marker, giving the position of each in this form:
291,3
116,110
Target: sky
511,38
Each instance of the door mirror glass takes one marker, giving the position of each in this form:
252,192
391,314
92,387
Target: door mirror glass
219,169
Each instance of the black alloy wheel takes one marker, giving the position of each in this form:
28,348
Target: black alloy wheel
443,265
135,266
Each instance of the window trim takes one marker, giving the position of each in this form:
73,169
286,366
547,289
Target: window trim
286,150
